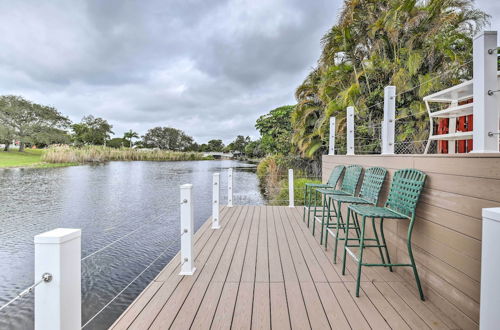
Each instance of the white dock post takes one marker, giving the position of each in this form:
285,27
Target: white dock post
58,302
215,201
485,108
187,262
291,193
331,145
350,130
388,124
490,270
230,187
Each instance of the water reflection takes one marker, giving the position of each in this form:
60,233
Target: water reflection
106,202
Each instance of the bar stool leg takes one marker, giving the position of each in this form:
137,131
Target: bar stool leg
346,241
323,220
412,260
360,257
309,206
384,242
314,213
340,222
377,240
328,217
305,204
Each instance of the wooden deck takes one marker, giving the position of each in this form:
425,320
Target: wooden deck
263,269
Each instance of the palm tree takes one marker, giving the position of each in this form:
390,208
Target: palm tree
417,46
129,136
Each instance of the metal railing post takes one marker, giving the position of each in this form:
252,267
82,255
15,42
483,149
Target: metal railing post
331,145
485,93
389,124
350,130
58,301
215,201
230,187
291,190
187,262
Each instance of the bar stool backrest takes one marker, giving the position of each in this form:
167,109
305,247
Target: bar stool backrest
405,191
335,175
372,184
351,178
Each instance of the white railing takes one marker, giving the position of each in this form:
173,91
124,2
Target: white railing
187,228
58,261
230,187
215,201
486,112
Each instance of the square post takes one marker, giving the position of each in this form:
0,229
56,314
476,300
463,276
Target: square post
58,303
187,262
490,270
291,190
331,144
230,187
388,123
485,132
350,130
215,201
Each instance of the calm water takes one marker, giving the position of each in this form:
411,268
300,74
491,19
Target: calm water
106,202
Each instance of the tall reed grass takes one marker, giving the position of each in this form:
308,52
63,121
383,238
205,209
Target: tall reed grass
96,154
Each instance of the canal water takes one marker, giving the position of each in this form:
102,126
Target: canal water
107,202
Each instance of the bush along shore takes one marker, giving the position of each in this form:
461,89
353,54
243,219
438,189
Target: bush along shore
97,154
273,176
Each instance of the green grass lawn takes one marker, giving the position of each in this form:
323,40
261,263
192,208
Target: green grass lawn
29,158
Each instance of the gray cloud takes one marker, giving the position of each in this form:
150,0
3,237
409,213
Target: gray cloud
207,67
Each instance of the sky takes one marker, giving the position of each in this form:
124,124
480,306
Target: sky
208,67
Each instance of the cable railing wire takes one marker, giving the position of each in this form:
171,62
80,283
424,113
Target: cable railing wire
412,89
46,277
120,238
129,284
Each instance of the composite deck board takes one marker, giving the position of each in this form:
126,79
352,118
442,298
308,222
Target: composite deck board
264,269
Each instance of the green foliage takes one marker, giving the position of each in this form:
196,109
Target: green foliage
283,196
31,123
254,150
6,136
128,136
238,144
273,175
417,46
92,154
117,143
28,158
275,129
214,146
91,130
167,138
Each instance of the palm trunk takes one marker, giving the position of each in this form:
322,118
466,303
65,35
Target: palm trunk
21,147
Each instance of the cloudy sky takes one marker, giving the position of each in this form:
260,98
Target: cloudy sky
208,67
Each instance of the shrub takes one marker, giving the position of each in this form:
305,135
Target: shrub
96,154
299,186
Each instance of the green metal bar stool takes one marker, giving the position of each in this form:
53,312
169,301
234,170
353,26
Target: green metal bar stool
369,194
348,188
405,191
309,188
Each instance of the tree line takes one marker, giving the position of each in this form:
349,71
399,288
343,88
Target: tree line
31,124
418,46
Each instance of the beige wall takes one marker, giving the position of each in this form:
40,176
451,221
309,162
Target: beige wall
447,233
